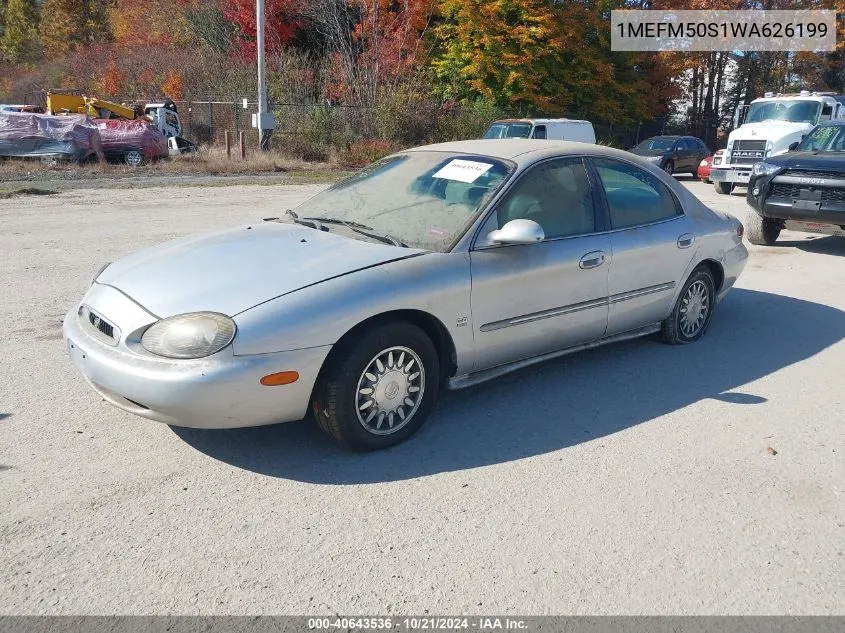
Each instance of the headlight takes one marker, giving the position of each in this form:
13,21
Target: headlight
191,335
764,169
654,159
99,272
703,163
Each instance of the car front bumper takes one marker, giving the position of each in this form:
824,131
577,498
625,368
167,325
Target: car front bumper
822,212
220,391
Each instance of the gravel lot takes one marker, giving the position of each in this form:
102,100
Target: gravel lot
633,479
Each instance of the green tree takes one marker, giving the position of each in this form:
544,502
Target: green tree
20,34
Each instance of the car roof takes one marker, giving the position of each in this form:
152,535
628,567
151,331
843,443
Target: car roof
544,121
522,151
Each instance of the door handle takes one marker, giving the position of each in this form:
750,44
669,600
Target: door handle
592,260
686,240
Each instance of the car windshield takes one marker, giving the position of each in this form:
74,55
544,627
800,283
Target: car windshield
794,111
424,199
656,144
508,130
825,138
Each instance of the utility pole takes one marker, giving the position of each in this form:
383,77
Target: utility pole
264,121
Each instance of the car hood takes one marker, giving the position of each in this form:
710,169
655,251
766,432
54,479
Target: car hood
827,161
234,270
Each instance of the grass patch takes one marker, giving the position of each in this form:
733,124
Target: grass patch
25,191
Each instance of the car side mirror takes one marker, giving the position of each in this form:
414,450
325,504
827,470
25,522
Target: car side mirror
519,231
793,146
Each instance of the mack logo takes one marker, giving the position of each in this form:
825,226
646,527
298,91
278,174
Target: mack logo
812,181
750,154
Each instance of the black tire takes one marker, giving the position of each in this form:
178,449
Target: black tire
134,158
761,231
337,397
673,331
724,187
669,167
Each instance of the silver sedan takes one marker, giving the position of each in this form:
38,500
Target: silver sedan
440,266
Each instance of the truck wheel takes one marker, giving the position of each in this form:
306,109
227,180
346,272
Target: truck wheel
669,167
377,390
724,187
761,231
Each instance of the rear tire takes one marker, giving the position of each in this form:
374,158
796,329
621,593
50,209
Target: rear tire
724,187
669,167
693,310
378,389
761,231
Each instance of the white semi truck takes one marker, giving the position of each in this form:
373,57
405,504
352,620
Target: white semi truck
768,126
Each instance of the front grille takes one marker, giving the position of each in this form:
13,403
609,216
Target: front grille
780,190
803,173
99,326
748,151
750,145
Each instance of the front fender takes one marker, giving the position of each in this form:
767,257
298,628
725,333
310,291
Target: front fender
435,283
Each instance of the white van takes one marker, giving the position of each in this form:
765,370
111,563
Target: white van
557,129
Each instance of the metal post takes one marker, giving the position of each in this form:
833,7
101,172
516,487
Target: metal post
227,138
242,144
263,135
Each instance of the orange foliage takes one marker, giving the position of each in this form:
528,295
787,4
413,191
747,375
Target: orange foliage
112,80
172,86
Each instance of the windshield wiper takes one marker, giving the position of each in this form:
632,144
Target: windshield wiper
362,229
314,223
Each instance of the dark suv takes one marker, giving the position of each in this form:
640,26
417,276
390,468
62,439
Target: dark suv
807,184
673,154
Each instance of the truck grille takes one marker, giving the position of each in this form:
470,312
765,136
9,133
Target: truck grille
780,190
748,151
802,173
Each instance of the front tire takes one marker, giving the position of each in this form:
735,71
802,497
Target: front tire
693,310
378,389
724,187
134,158
761,231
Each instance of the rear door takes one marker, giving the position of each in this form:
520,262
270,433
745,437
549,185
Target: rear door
652,244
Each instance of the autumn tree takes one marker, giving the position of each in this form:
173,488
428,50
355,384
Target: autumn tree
282,21
502,50
20,34
70,24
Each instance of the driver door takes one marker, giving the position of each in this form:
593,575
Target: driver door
531,299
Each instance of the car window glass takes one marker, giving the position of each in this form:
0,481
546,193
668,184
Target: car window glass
556,195
540,131
634,196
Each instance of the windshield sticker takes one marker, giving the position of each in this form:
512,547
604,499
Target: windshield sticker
463,170
438,232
